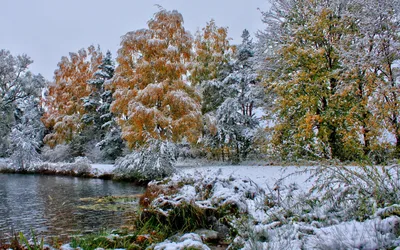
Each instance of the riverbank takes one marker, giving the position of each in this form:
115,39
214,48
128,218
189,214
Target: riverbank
263,207
81,167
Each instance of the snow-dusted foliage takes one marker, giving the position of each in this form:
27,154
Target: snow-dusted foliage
234,97
210,191
186,241
60,153
346,208
288,215
27,135
24,148
356,192
332,68
153,98
153,162
17,85
371,234
101,125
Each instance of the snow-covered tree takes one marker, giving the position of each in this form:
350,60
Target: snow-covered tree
97,103
328,62
27,135
64,105
212,53
154,162
17,85
101,126
152,97
238,93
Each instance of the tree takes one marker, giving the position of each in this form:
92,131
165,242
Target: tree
99,120
27,135
17,85
154,162
382,17
152,96
236,123
333,59
212,53
64,101
306,74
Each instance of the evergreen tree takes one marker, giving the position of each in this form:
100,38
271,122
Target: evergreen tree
101,126
239,95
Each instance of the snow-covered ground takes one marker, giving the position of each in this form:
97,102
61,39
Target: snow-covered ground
263,176
288,222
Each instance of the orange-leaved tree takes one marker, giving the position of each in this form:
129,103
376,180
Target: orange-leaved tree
212,52
152,96
64,104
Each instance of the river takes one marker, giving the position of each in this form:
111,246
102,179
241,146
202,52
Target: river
54,206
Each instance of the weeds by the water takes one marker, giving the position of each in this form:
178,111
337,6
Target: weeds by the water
20,242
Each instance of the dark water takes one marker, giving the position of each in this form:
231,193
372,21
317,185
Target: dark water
49,205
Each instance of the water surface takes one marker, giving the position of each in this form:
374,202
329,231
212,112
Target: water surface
50,205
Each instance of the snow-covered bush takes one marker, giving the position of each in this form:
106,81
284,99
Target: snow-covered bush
81,165
356,192
371,234
60,153
154,162
187,241
24,149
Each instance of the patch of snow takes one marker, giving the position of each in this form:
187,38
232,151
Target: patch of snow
187,241
103,168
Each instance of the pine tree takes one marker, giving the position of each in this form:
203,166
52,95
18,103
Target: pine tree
100,122
240,93
152,96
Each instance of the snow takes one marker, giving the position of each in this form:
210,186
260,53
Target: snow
103,168
187,241
263,176
247,187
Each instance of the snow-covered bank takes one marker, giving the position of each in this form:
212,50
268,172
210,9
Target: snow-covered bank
340,208
270,207
81,167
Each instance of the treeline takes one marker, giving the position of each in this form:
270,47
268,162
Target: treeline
320,82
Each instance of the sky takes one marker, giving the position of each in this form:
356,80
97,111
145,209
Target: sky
46,30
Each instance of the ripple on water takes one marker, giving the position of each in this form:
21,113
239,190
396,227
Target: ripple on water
49,204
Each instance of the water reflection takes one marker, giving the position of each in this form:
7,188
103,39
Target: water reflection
49,204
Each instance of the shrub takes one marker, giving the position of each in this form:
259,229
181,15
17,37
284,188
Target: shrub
155,162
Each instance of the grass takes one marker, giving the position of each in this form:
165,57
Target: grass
20,242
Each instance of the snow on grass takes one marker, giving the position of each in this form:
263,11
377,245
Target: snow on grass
102,168
187,241
264,176
282,213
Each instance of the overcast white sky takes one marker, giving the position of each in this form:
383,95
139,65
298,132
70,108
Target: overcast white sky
46,30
